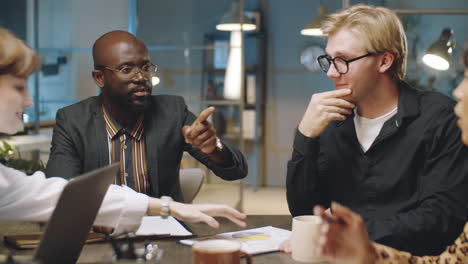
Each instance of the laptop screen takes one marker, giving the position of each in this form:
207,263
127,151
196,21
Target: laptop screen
73,217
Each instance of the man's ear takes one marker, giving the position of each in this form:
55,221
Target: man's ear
386,61
98,77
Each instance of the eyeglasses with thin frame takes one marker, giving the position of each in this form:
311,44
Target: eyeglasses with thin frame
341,64
129,72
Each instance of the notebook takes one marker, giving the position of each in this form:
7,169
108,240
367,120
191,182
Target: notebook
73,217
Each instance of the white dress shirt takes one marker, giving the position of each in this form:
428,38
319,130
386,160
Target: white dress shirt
33,198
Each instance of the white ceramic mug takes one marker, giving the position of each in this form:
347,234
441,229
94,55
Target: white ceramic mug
304,239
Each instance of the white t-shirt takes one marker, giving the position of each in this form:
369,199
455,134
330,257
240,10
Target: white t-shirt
368,129
33,198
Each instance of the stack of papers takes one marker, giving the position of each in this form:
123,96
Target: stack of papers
157,226
254,241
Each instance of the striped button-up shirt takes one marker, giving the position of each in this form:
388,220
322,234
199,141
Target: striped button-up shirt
129,143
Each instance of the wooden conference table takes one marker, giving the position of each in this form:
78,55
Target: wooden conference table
174,252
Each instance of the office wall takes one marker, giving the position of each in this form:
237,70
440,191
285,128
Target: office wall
289,84
13,17
92,19
67,31
175,33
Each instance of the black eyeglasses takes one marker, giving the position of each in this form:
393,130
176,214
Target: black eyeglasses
341,64
129,72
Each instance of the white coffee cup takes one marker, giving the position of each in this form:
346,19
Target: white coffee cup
304,239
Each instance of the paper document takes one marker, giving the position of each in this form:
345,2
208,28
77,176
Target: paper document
254,241
156,225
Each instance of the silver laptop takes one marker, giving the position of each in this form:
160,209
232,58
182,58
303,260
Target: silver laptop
73,217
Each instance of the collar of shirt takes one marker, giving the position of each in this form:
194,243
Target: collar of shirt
114,128
406,106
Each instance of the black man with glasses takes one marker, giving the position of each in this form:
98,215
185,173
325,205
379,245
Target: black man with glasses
376,145
146,133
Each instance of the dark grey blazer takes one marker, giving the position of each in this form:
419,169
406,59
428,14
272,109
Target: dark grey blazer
79,144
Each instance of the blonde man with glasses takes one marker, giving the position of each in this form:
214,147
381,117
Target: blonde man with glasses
387,151
146,133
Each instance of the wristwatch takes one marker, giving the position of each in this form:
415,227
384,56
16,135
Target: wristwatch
219,144
165,211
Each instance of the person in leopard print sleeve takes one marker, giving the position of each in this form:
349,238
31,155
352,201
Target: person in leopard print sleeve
344,238
457,253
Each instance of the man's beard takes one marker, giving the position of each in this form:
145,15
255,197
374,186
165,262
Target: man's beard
126,103
140,107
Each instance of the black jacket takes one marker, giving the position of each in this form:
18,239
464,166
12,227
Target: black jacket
79,144
410,187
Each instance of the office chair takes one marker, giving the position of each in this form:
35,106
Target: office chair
191,181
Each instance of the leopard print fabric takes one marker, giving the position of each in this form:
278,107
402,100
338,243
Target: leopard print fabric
456,253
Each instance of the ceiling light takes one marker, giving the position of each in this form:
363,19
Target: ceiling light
231,21
313,28
439,53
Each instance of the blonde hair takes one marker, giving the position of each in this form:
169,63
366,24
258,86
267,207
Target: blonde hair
378,27
16,57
